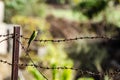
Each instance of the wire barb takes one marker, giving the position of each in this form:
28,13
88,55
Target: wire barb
6,35
5,39
34,65
67,68
71,39
63,67
5,62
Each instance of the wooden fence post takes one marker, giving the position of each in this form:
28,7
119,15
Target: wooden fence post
15,55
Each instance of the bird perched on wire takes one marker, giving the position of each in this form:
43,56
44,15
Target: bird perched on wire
32,37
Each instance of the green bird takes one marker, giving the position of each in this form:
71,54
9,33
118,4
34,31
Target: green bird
32,37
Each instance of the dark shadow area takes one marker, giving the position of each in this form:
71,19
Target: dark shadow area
107,52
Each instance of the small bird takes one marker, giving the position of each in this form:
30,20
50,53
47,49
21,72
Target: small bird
32,37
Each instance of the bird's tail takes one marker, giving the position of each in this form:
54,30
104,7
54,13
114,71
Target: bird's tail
27,49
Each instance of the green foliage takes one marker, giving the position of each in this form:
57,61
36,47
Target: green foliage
19,12
13,7
84,78
23,7
55,54
91,7
54,72
112,15
30,23
57,1
56,57
75,2
61,1
107,77
69,14
66,75
35,73
93,54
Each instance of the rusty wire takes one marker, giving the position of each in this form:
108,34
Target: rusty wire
71,39
27,54
6,35
65,68
66,40
5,39
74,69
5,62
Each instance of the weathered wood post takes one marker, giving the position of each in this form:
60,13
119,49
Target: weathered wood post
15,55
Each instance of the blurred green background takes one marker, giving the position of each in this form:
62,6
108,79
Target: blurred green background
59,19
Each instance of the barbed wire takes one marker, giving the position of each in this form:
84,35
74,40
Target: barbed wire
6,35
5,62
66,68
71,39
5,39
63,67
27,54
67,39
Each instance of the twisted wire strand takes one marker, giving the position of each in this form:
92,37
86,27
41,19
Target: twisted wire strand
6,35
5,39
34,65
5,62
71,39
66,68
